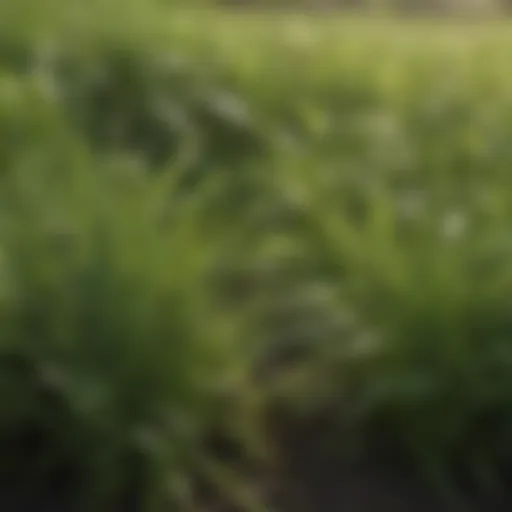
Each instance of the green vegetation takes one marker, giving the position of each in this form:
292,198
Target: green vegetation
206,216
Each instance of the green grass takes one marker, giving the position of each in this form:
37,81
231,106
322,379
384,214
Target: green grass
191,200
112,349
392,176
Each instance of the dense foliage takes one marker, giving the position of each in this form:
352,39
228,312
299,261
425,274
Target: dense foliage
199,210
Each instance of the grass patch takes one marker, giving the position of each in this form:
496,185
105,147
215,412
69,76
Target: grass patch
200,209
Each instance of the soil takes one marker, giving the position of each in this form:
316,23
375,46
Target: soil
368,487
314,479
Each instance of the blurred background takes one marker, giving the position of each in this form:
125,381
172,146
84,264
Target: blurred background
255,256
438,7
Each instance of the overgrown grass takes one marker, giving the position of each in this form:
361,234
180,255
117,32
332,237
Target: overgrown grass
196,202
117,364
